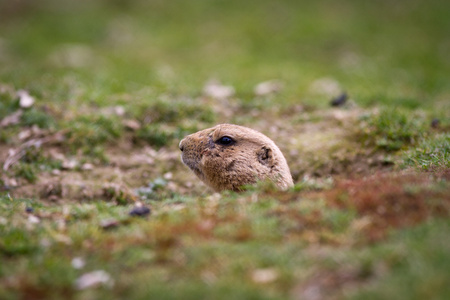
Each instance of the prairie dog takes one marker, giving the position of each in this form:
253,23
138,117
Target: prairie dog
228,156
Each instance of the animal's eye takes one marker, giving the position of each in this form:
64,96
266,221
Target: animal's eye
225,140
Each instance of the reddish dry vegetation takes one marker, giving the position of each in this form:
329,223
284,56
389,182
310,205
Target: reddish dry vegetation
391,201
381,202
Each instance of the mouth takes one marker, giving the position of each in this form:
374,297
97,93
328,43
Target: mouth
193,165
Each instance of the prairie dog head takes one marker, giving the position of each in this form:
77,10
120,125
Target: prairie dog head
227,156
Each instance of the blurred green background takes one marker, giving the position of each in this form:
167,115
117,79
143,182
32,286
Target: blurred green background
379,51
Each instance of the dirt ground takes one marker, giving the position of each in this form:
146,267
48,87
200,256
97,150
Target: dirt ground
322,148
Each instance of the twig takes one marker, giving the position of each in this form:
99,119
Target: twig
17,154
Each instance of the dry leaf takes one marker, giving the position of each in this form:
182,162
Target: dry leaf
34,131
12,119
24,134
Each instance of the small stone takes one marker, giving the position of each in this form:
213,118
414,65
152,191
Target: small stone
264,275
12,182
29,209
78,263
119,110
33,219
140,211
87,167
339,100
109,223
25,100
94,279
168,176
131,124
215,89
435,123
69,164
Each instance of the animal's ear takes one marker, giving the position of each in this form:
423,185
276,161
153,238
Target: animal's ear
265,156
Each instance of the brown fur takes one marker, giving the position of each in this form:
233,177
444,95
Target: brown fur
251,157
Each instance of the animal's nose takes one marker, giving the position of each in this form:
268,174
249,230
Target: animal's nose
180,145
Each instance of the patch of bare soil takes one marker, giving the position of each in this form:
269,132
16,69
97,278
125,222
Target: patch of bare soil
322,144
315,143
126,170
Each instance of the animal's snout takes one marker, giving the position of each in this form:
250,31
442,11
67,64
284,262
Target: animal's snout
181,145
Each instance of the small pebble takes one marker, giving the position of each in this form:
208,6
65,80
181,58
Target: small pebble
78,263
215,89
339,100
94,279
435,123
131,124
33,219
168,176
140,211
69,164
25,100
109,223
29,209
87,167
119,110
264,275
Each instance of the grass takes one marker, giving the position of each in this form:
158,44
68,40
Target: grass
393,129
90,131
118,84
210,246
420,268
431,153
